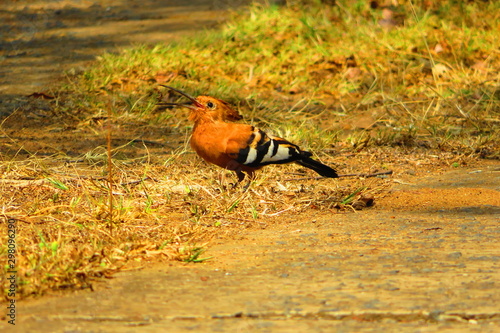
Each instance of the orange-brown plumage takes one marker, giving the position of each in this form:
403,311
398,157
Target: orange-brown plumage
221,111
239,147
219,142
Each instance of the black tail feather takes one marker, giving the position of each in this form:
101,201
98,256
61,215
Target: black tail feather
320,168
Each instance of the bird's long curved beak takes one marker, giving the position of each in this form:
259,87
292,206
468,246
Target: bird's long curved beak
191,98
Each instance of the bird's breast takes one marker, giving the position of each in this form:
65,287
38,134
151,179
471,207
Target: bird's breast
208,142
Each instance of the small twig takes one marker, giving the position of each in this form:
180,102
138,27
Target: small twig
367,175
149,142
364,175
8,217
137,181
45,181
24,182
69,176
110,172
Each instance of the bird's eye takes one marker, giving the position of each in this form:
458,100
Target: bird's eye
210,105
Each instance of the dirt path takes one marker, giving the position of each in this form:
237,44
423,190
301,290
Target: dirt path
432,265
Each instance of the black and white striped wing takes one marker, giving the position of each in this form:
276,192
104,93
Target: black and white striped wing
264,149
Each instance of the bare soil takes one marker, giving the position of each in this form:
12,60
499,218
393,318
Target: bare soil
424,258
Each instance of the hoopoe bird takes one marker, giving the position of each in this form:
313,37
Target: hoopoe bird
239,147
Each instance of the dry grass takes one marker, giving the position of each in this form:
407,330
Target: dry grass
423,94
163,212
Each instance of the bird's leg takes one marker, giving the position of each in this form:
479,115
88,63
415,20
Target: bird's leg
222,179
235,166
251,176
241,176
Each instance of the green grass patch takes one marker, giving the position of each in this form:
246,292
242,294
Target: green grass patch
315,68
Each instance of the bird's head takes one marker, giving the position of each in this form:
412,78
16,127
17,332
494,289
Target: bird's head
206,107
